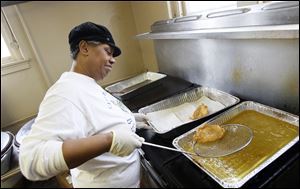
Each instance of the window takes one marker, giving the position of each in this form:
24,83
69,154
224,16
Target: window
193,7
12,59
4,49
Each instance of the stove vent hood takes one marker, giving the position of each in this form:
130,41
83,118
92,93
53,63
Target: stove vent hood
261,20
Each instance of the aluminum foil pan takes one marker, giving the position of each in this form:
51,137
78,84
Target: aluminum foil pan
268,143
190,96
123,88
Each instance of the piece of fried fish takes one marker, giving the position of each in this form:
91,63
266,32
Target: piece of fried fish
208,133
201,111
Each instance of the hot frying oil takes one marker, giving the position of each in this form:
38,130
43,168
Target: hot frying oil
269,136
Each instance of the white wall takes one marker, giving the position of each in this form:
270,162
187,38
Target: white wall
50,23
145,14
22,91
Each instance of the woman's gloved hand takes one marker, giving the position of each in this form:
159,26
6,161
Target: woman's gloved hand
141,121
124,142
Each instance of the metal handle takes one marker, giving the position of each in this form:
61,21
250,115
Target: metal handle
167,148
10,173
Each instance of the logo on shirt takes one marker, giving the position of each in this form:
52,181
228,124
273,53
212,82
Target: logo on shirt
113,101
108,102
121,105
129,121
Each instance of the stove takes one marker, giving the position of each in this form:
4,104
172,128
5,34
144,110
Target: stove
172,169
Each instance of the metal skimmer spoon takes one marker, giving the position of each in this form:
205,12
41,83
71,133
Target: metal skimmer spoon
236,137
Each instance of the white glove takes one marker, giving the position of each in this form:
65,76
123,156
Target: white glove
125,142
141,121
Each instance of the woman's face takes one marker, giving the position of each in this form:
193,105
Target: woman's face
100,60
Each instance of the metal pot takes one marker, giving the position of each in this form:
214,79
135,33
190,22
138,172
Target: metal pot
24,131
7,139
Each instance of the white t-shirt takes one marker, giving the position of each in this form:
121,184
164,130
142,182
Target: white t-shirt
77,107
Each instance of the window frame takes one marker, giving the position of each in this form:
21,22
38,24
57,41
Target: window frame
17,61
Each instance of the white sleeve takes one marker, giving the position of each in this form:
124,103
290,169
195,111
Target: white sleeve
41,156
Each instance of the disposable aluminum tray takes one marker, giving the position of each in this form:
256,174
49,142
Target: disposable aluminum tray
190,96
234,170
125,89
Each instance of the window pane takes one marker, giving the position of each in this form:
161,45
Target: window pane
4,49
200,6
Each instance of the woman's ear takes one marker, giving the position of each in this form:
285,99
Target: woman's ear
83,48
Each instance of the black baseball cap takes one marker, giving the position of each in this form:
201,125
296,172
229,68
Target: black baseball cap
89,31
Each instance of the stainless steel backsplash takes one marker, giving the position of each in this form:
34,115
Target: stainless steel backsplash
262,70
